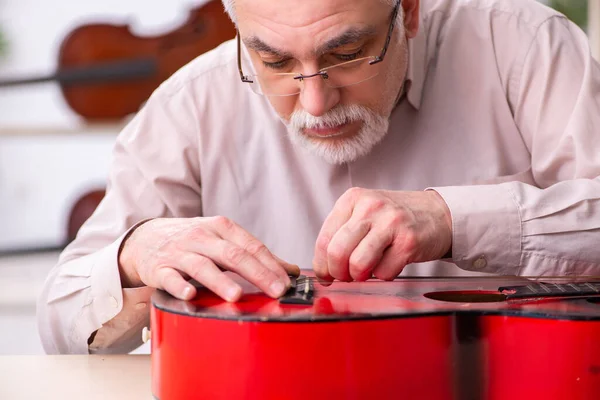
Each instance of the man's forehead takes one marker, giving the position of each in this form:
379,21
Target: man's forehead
283,27
349,36
305,13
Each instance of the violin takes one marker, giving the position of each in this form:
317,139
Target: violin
106,72
81,211
489,338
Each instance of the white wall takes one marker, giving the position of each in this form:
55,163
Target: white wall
41,177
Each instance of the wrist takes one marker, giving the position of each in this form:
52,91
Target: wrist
127,269
127,260
444,223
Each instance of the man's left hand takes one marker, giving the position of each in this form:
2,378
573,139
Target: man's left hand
377,233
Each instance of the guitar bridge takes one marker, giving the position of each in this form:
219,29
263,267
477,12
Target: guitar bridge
301,291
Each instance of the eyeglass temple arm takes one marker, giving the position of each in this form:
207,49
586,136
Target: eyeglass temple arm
380,57
239,49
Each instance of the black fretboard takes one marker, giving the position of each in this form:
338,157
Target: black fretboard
542,289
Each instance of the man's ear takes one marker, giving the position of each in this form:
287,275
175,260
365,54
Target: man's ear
411,17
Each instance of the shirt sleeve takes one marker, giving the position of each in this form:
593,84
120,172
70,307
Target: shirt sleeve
154,173
544,221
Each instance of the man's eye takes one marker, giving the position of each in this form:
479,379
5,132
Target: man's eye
276,65
348,57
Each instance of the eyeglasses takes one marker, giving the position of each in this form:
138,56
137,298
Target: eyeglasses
336,76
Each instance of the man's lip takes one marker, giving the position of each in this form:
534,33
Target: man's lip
325,132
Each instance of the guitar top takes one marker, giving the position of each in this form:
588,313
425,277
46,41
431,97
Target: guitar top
308,300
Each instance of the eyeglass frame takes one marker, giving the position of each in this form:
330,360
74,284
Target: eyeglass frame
322,73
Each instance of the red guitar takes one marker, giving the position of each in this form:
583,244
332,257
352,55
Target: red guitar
414,338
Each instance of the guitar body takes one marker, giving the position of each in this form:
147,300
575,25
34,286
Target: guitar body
414,338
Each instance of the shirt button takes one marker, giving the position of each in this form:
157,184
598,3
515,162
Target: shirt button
146,335
480,263
113,302
140,306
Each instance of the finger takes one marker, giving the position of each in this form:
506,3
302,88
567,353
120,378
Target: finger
291,269
341,213
208,274
172,282
392,263
234,258
342,246
260,252
234,233
324,282
368,254
185,276
320,263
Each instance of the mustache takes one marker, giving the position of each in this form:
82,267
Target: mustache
339,115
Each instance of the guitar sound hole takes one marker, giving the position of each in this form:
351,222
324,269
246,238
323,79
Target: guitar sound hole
467,296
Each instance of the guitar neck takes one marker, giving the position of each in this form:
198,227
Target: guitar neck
541,289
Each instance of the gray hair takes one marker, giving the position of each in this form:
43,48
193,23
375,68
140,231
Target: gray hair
230,8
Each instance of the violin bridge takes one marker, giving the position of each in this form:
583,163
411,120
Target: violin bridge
301,291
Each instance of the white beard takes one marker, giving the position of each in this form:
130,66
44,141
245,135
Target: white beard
339,151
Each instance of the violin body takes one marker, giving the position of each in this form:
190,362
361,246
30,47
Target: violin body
413,338
81,211
106,72
95,45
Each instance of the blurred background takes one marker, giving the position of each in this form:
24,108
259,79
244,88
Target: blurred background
58,126
55,139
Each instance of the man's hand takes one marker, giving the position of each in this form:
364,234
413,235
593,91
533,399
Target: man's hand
163,252
377,233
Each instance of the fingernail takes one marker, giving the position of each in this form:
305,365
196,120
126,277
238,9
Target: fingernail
232,293
277,288
324,282
186,294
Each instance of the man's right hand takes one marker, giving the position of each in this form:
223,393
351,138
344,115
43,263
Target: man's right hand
163,252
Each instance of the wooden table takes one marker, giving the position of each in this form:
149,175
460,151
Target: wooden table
75,377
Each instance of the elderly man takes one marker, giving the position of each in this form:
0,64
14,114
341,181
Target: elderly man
362,138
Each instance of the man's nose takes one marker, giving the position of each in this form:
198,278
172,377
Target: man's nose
317,97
